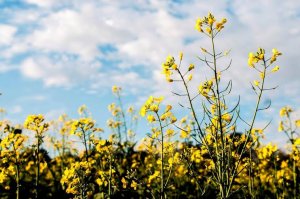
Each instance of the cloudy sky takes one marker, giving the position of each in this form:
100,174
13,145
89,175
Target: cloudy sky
56,55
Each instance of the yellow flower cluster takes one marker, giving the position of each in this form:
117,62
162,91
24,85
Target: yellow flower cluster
152,104
255,58
208,23
12,140
275,54
116,89
260,56
267,151
82,125
36,123
205,88
104,146
285,111
3,175
76,175
168,66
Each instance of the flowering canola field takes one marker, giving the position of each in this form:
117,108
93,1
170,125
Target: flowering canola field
201,155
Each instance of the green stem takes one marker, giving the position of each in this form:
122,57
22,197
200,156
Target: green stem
162,189
110,176
123,116
17,174
85,145
251,127
37,167
222,165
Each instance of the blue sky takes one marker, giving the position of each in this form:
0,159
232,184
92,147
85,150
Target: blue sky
59,54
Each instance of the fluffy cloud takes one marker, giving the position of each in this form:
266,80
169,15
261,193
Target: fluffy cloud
61,71
101,43
7,34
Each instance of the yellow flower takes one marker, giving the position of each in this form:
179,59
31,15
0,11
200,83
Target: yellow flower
205,88
180,56
36,123
226,52
251,59
143,111
297,122
151,118
198,25
276,68
204,50
210,19
82,109
170,132
220,25
276,52
174,66
130,109
262,75
256,130
226,117
124,183
256,83
154,108
156,134
281,126
173,119
208,30
168,108
191,67
116,89
285,111
99,181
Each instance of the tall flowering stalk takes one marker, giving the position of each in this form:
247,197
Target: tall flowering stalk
151,109
216,128
286,125
11,147
78,176
36,124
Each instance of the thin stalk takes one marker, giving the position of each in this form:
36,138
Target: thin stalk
123,116
110,176
17,174
250,129
222,170
294,162
85,145
37,166
162,186
18,181
202,136
63,152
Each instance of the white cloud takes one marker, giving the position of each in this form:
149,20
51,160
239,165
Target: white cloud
6,34
61,40
46,3
31,69
78,32
61,72
145,33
